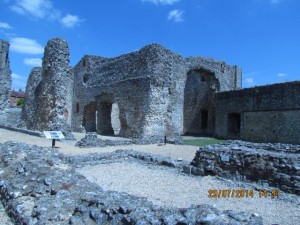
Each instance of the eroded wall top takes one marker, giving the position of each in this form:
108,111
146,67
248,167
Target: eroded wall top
5,75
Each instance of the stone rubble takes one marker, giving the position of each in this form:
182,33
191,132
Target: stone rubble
91,140
40,186
277,165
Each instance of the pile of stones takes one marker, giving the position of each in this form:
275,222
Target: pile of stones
277,165
91,140
40,186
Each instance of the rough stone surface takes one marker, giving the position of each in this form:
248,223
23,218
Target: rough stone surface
4,218
91,140
263,114
153,93
5,75
151,89
30,108
40,186
48,99
277,165
11,117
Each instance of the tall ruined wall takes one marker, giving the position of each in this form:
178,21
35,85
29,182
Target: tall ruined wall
205,77
49,97
264,114
100,82
148,86
30,108
55,90
5,75
168,72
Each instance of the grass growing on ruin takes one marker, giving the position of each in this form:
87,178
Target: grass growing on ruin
203,141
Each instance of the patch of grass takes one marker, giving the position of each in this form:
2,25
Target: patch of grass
202,142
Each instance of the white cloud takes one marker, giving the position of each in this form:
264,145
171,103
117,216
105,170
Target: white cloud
25,45
250,80
43,9
162,2
18,82
176,15
36,8
70,21
4,25
15,76
281,74
33,61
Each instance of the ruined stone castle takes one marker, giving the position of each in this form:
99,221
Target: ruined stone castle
152,93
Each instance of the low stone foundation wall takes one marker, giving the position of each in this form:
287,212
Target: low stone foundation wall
24,131
91,140
40,186
276,165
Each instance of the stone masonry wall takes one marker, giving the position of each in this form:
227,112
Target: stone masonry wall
41,186
275,165
148,87
5,75
267,114
29,111
52,96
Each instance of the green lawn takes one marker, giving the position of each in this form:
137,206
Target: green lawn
202,142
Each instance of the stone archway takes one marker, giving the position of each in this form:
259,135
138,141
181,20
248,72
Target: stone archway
108,115
104,126
199,108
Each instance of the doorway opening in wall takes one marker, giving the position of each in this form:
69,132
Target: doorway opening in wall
234,124
204,119
198,106
108,118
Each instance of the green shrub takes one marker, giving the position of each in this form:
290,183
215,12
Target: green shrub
20,102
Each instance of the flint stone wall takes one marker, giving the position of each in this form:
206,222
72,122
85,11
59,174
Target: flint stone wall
5,75
148,87
30,108
277,165
267,114
39,186
91,140
48,98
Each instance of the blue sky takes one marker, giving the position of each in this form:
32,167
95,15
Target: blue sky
261,36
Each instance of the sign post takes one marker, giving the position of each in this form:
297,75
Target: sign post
54,135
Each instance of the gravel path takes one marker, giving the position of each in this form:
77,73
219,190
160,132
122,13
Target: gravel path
4,219
184,152
161,185
167,187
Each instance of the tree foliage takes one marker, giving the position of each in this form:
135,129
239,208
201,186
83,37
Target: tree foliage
20,102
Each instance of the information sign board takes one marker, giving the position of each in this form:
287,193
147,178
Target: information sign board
54,135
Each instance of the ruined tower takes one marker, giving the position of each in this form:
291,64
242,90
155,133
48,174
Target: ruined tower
29,110
5,74
55,89
51,98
